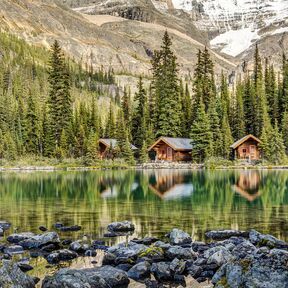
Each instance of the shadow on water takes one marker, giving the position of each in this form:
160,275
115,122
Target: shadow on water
155,201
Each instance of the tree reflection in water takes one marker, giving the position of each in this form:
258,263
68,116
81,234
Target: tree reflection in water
155,201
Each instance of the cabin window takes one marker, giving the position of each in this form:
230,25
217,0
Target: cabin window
244,150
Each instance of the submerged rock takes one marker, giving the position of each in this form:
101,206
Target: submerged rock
225,234
24,267
98,277
12,276
4,225
121,226
16,238
61,255
70,228
179,237
42,228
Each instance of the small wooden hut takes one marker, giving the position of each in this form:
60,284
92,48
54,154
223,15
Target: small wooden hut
172,149
107,147
247,148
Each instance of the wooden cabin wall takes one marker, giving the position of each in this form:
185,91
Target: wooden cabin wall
241,154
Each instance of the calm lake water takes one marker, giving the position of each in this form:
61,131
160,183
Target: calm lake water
155,201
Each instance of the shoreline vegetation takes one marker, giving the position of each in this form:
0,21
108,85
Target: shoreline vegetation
48,164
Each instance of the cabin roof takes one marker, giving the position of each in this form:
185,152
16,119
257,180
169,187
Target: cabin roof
110,142
178,144
242,140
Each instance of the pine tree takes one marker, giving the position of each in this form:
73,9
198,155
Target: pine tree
143,155
283,101
60,103
285,129
277,146
127,109
224,95
32,123
92,153
166,90
140,120
201,135
110,124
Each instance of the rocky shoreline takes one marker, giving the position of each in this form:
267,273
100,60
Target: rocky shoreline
229,258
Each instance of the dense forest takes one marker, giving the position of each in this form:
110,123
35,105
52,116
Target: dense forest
50,106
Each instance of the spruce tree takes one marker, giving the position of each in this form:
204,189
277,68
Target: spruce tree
285,129
143,155
32,123
277,146
201,136
60,103
110,124
140,116
166,90
227,139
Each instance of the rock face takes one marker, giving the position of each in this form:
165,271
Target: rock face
12,276
121,226
103,277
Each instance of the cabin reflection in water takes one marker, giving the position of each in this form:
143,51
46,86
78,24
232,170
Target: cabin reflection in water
247,185
170,184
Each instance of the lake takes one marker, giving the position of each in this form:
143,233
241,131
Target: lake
155,201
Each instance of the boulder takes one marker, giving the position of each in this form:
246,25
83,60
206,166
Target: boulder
179,237
161,271
16,238
38,241
146,241
4,225
225,234
12,276
177,266
121,226
61,255
79,246
98,277
244,250
140,271
266,240
195,271
13,250
220,257
180,253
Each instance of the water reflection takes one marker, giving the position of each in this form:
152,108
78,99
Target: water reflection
155,201
247,185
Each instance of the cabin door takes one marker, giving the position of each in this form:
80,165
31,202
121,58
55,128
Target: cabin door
252,152
169,153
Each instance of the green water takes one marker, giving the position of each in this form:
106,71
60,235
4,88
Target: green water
155,201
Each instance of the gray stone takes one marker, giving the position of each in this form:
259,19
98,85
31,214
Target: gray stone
24,267
195,271
16,238
244,250
61,255
98,277
177,266
37,241
1,232
220,257
13,249
266,240
179,237
161,271
121,226
70,228
225,234
140,271
180,253
4,225
12,276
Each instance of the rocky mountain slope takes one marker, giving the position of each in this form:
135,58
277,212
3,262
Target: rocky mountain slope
103,40
235,26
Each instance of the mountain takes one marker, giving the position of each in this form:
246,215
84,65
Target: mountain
234,26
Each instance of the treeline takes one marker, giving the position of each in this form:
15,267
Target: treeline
49,106
212,116
48,102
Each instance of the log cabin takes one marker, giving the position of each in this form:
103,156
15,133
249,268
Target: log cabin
172,149
107,147
247,148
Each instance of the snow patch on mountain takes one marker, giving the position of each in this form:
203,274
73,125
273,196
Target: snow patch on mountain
234,42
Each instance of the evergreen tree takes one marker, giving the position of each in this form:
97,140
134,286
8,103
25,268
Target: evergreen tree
166,90
278,148
143,155
285,129
110,125
60,103
224,95
139,122
32,122
283,101
227,139
201,135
